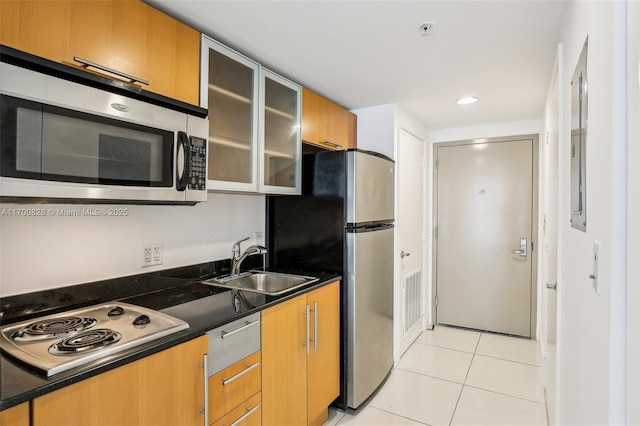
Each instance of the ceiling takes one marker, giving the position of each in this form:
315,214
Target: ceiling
361,53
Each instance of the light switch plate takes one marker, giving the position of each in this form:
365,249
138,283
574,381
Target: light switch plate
596,267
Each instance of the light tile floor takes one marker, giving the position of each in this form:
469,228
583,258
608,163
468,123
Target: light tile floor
457,377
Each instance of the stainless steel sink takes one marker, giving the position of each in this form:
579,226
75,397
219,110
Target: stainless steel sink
271,283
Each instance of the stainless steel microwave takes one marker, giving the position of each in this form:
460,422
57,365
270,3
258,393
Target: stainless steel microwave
62,141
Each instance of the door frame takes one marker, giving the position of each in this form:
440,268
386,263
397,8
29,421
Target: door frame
400,342
533,319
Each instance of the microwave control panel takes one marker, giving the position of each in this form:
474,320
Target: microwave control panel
198,175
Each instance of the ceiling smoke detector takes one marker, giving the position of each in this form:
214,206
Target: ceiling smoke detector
425,28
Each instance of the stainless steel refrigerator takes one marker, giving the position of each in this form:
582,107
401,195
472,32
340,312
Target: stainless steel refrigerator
343,223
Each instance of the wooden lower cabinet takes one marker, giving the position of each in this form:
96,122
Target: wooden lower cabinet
300,371
233,386
166,388
323,362
15,416
247,414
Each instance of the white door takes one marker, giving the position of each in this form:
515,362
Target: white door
410,225
550,249
484,230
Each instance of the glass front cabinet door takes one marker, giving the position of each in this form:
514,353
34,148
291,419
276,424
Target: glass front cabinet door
281,146
254,124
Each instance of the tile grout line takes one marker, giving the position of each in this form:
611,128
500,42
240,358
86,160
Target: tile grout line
425,375
465,380
507,395
398,415
510,360
507,360
441,347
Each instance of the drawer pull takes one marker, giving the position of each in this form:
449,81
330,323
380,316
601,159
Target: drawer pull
315,326
205,367
249,412
333,144
306,342
248,324
225,382
88,64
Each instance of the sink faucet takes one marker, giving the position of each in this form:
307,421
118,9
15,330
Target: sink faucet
237,258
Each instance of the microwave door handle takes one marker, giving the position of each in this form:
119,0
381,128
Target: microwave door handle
183,180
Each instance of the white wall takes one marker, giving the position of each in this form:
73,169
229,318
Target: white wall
550,216
493,130
38,253
591,361
633,231
376,129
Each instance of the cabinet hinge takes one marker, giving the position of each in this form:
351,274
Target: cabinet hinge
547,137
424,163
436,301
437,163
435,233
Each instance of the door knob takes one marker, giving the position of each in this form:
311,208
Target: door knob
403,255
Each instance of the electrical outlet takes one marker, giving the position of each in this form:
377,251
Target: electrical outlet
152,254
156,254
146,255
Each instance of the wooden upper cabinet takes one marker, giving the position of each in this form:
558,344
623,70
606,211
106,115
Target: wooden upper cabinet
126,35
327,124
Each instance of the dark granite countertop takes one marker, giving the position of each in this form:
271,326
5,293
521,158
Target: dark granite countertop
178,293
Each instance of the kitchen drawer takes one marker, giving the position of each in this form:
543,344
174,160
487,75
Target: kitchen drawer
233,385
247,414
232,342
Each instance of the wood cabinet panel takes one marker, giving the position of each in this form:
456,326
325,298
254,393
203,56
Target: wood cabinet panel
126,35
284,365
223,398
252,409
39,27
166,388
323,366
15,416
327,124
298,385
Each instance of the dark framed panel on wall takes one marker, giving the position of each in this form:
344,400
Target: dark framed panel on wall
579,125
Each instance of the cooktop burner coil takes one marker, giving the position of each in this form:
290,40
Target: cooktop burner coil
53,328
85,341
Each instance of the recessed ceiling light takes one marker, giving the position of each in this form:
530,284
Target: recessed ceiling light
467,100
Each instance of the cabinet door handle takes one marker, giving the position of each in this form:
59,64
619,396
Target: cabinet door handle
315,326
225,382
205,375
88,64
249,412
330,143
248,324
306,342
